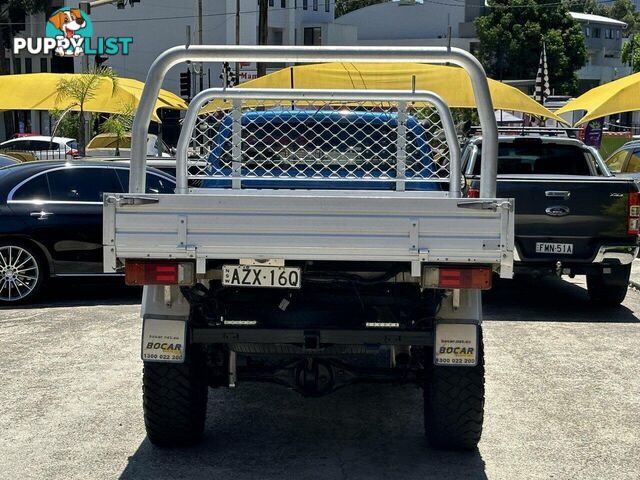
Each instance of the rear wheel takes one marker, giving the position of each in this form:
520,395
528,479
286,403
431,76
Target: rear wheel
22,272
175,400
609,289
454,405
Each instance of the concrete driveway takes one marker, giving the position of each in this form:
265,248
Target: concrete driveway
563,401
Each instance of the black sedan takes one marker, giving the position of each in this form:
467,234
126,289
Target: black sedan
51,220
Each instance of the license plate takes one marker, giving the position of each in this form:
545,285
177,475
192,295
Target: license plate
163,340
558,248
257,276
456,345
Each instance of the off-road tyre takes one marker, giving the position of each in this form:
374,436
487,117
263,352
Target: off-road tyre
454,404
175,400
611,289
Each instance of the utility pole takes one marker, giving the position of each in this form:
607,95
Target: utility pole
263,16
200,70
237,38
85,133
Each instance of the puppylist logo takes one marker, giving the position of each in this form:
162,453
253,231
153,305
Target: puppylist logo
69,33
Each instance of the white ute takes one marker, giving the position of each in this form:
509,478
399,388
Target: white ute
327,243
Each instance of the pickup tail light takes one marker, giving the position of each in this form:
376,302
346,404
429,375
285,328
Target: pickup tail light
634,213
457,277
143,272
473,192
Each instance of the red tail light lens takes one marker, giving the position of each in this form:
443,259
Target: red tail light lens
452,277
158,273
73,152
473,192
634,213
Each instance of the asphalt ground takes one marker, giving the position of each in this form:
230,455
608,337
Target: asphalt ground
563,400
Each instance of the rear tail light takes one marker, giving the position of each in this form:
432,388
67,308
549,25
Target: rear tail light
634,213
457,277
73,152
138,272
473,192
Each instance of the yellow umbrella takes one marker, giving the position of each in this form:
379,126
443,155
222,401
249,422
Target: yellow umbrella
451,83
622,95
37,91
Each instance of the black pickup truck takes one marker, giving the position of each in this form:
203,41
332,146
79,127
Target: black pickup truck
572,216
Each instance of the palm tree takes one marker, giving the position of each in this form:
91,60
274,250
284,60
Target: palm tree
119,124
80,89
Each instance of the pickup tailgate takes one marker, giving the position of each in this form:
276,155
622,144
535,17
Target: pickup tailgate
309,225
584,212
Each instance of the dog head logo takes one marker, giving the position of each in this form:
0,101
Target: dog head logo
70,27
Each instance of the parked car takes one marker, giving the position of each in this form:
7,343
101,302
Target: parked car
347,146
166,165
626,160
52,221
104,144
7,160
572,216
22,135
44,148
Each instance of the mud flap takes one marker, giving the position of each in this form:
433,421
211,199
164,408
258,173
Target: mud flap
456,345
164,340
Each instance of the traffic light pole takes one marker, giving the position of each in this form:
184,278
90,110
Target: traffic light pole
237,39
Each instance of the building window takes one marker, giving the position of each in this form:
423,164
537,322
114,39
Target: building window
315,5
28,65
618,34
596,33
608,33
283,3
17,65
305,4
43,65
313,36
271,3
326,5
587,31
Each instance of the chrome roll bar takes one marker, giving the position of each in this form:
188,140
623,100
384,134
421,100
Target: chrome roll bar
299,54
333,95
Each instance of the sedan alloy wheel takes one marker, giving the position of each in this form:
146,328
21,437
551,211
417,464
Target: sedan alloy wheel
20,274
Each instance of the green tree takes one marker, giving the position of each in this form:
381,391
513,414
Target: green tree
119,124
65,123
631,54
588,6
511,35
80,89
345,6
625,11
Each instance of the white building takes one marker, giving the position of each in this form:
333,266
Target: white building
410,22
36,120
603,39
156,25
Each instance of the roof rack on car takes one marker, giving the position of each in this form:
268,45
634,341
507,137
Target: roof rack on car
523,131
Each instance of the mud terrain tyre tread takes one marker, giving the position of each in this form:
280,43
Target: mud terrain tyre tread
454,406
609,290
175,401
